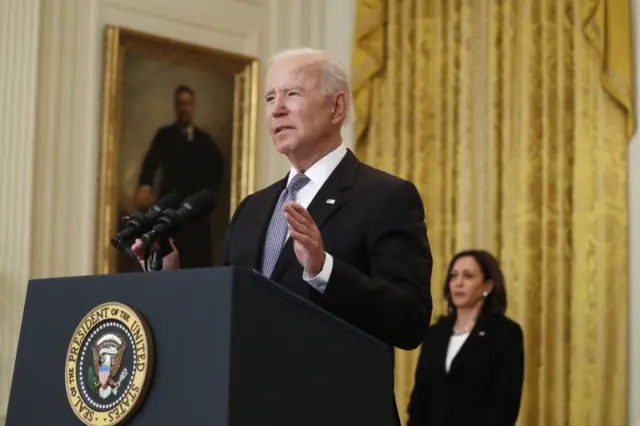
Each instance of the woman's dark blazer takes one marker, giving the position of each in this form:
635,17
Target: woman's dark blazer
484,384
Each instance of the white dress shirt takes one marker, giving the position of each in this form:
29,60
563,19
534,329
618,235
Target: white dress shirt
455,343
318,174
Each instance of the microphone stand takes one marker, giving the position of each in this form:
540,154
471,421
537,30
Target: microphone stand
156,261
153,258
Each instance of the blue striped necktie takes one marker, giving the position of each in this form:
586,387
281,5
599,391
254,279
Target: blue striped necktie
277,232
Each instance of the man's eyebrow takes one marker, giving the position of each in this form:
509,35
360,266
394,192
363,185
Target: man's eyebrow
285,89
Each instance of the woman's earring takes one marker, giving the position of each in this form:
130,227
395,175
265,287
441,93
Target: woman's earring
485,294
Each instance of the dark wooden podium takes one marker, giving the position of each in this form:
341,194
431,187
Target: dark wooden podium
229,348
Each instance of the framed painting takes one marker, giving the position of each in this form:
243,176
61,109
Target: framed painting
176,117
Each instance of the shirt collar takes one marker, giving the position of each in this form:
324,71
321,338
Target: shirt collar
322,169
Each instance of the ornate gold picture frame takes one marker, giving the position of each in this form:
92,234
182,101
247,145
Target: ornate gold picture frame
138,71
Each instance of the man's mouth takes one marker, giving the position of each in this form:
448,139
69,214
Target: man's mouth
281,129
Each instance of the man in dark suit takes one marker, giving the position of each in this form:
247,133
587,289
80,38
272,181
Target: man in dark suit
190,161
338,232
356,241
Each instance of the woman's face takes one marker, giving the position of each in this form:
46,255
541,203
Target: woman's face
466,283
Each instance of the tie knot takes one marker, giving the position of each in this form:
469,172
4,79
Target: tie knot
297,183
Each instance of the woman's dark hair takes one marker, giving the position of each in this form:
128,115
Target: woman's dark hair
496,301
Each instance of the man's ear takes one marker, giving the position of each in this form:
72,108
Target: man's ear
339,109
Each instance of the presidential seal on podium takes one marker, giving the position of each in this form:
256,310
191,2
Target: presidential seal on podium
109,365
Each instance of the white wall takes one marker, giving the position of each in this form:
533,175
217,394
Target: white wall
50,81
634,235
19,27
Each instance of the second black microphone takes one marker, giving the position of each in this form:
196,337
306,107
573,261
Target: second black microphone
171,221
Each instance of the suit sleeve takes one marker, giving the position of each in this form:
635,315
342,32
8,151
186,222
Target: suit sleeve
152,160
418,402
226,250
392,303
504,403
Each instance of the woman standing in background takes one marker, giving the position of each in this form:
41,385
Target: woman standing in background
471,365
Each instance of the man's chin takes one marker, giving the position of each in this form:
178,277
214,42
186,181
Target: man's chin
284,146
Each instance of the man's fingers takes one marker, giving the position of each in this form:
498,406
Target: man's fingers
137,248
294,223
301,226
303,239
297,207
295,213
300,214
303,212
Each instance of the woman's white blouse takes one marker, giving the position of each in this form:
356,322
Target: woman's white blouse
455,343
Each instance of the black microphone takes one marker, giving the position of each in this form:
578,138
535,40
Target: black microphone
139,223
171,221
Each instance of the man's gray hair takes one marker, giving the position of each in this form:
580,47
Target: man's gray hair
336,77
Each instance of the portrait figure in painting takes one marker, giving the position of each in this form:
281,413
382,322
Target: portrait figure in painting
177,117
176,136
190,161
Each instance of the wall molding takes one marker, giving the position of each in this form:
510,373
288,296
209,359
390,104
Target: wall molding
633,399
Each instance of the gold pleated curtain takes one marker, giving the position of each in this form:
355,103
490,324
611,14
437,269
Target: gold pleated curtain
512,117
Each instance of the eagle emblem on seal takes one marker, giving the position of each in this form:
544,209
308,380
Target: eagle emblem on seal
108,352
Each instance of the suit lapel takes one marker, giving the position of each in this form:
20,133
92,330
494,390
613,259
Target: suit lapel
335,188
333,194
476,337
441,343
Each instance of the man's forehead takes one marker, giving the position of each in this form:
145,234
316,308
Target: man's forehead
295,70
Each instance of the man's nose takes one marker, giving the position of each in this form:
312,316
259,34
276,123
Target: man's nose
279,108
